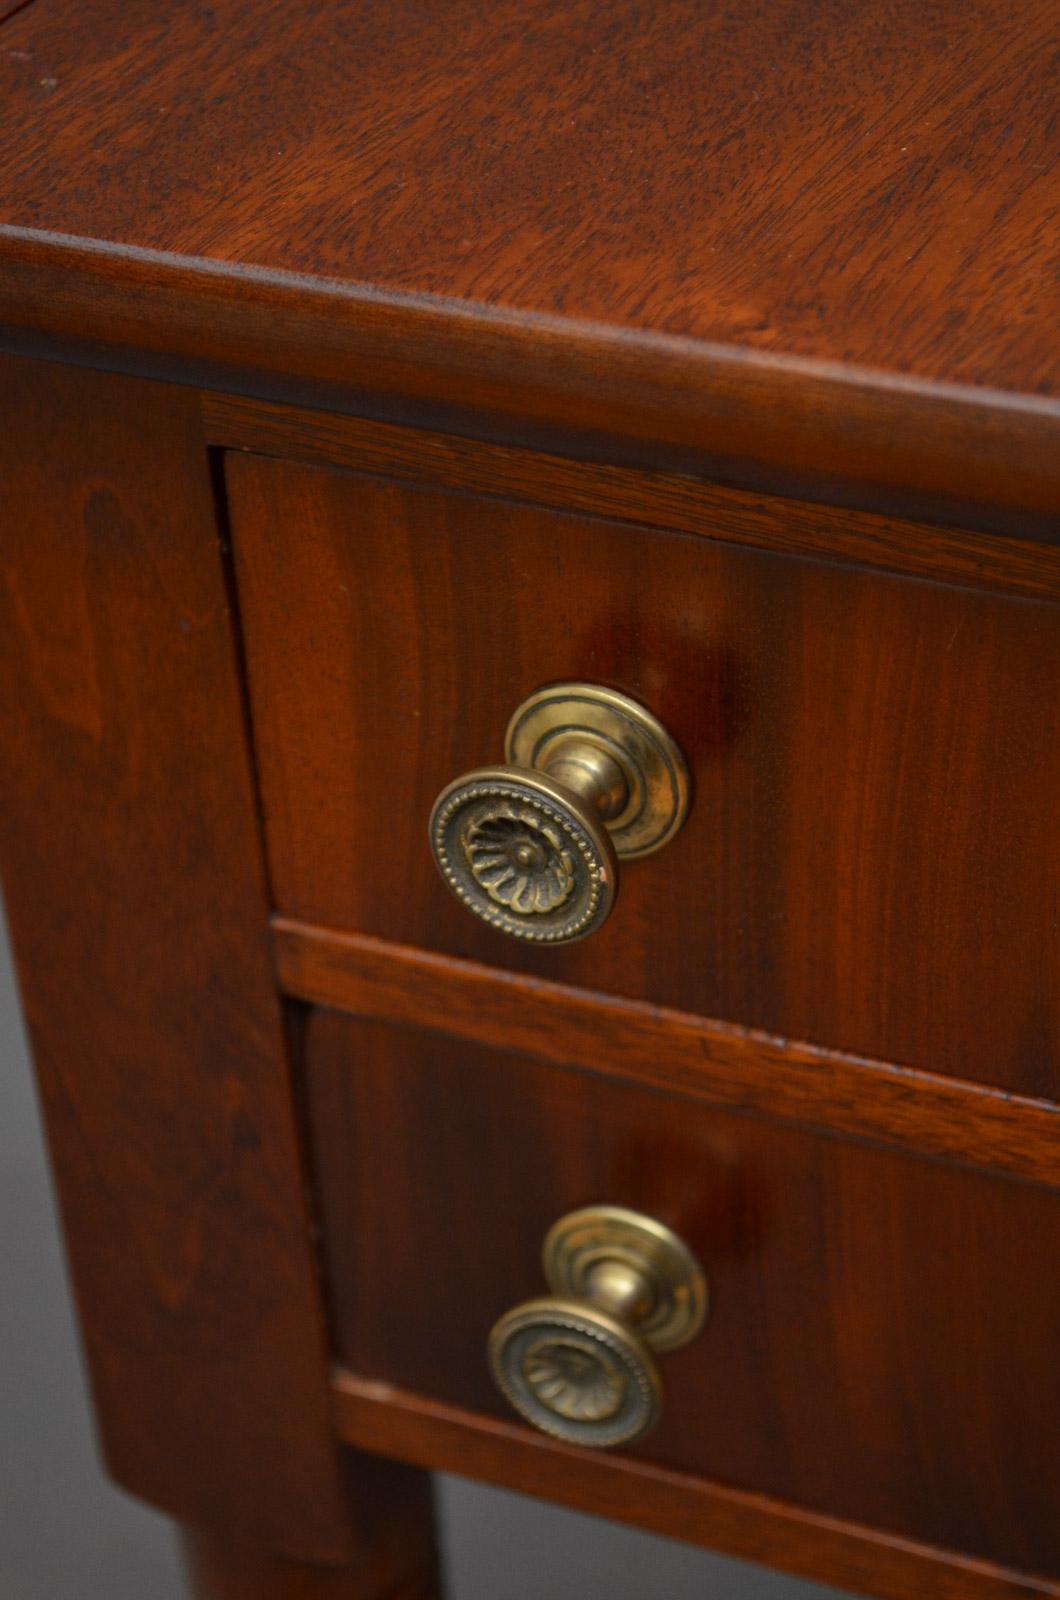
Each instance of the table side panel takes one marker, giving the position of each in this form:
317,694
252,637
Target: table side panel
134,887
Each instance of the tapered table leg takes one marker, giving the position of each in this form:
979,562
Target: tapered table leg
221,1571
394,1553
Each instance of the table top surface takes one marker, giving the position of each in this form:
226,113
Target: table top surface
873,184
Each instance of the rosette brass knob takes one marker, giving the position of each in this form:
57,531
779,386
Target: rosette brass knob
579,1365
531,847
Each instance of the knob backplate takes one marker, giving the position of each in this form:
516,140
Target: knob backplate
583,1240
654,768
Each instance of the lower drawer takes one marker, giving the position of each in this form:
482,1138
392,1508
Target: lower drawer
884,1332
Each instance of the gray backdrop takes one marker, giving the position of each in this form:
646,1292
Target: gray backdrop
66,1534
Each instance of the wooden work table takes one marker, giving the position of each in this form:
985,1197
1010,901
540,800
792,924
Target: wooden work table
677,387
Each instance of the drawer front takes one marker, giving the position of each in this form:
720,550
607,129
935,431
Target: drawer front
871,860
883,1335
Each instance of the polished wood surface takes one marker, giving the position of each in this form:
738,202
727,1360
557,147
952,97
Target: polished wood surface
677,502
870,184
448,1438
669,1050
874,785
135,895
816,243
846,436
395,1557
882,1342
708,352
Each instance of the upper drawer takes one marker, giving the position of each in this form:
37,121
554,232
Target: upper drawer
871,860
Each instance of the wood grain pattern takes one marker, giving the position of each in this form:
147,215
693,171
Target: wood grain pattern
864,1358
655,499
447,1438
832,434
395,1560
871,185
871,862
134,888
821,246
735,1067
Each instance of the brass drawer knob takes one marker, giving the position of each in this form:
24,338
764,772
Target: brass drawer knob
531,847
579,1364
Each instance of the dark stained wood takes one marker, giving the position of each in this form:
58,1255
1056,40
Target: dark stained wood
735,1067
881,1348
395,1559
658,500
871,862
806,250
823,241
871,185
447,1438
134,889
830,434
